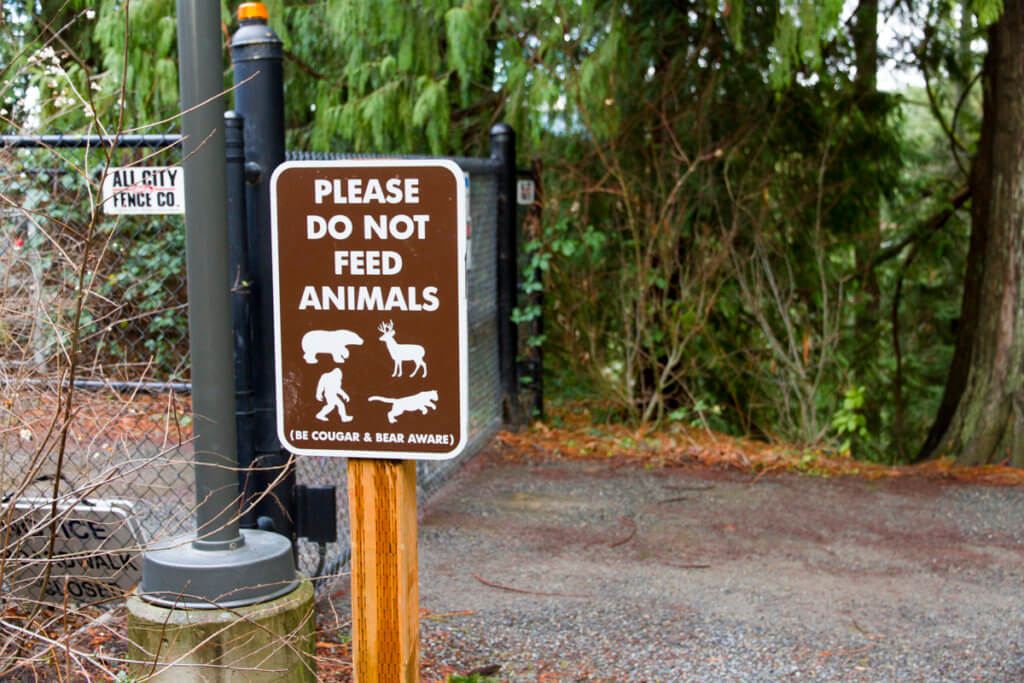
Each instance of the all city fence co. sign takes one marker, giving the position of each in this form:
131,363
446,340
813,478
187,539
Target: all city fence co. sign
143,190
370,308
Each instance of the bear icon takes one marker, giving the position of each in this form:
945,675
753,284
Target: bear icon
334,342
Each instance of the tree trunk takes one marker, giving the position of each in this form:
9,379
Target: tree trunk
981,419
868,233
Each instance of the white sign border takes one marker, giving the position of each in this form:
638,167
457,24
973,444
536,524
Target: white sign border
460,183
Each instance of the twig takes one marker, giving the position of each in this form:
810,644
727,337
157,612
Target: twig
830,653
439,617
632,533
869,634
55,645
765,471
687,566
673,500
95,622
488,670
191,109
527,592
708,487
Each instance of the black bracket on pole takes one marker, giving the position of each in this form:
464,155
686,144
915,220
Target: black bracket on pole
317,513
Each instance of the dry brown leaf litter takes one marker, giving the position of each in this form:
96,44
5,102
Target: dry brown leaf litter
571,432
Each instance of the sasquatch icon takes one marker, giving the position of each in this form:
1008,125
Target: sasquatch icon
329,389
334,342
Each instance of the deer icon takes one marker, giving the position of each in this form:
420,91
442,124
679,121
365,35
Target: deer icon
402,352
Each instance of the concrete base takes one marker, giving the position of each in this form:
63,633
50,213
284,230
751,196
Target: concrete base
269,641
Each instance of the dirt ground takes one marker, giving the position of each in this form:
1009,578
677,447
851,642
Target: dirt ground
563,570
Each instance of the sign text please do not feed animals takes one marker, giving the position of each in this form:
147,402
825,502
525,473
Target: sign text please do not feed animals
370,308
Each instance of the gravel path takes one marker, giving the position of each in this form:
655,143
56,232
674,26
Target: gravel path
671,574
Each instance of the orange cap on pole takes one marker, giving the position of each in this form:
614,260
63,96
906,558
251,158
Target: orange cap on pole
252,10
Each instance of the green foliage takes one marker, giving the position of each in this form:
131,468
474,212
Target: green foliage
700,203
800,30
701,414
987,10
147,273
146,66
387,76
849,421
768,314
809,463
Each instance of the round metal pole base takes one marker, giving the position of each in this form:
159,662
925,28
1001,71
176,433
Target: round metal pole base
181,573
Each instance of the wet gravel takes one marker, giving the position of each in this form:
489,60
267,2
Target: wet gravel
634,574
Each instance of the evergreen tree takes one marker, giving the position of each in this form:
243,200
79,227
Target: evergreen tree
981,419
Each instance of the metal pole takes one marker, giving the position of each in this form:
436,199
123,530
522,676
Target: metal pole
503,150
206,253
257,58
240,309
223,567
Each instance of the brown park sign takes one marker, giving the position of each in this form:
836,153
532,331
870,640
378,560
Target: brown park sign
370,308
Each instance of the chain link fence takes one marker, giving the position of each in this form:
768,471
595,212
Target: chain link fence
128,430
125,431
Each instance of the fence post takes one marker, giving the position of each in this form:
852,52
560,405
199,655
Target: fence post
503,150
537,369
256,55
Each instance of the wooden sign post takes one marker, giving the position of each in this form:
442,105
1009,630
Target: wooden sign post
371,347
385,579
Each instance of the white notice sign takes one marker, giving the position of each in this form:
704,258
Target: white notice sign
96,552
144,190
526,192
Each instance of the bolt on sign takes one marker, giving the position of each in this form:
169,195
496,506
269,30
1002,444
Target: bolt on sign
147,190
370,308
95,553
